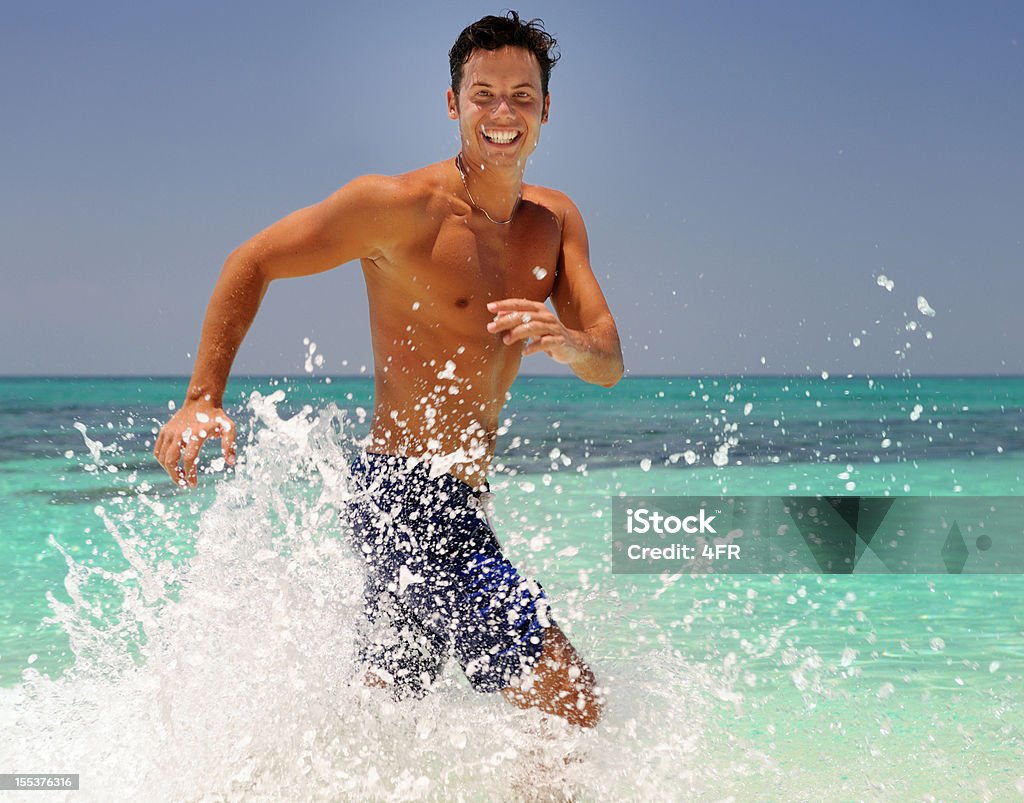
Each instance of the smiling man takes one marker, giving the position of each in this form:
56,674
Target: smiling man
459,259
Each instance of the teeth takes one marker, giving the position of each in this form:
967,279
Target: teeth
501,137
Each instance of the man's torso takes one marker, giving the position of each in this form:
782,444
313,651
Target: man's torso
440,377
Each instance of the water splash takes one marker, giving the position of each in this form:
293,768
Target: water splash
312,358
232,674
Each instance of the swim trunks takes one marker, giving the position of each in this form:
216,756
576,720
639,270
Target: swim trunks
437,583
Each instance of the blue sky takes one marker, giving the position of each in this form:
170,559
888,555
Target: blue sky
747,171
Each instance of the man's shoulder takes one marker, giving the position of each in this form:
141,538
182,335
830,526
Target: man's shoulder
410,191
427,176
386,190
555,200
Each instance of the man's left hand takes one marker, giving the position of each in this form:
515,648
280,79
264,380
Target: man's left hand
518,320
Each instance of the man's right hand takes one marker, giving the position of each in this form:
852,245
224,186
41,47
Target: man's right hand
183,436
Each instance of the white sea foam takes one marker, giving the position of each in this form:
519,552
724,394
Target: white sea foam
233,675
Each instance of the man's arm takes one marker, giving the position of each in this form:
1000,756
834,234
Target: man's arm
350,224
583,335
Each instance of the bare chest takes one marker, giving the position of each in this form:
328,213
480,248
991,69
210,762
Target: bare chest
461,262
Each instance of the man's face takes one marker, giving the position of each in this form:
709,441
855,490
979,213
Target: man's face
500,107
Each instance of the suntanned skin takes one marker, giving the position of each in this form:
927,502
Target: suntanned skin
455,299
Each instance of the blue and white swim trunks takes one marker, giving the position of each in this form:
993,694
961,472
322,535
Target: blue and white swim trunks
437,583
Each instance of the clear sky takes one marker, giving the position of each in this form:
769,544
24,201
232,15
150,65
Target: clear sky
747,171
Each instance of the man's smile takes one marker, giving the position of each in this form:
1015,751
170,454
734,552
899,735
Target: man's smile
499,136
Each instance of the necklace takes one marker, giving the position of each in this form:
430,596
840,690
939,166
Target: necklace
462,175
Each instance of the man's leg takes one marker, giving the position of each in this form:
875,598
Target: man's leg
560,683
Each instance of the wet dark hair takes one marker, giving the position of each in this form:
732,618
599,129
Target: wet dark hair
491,33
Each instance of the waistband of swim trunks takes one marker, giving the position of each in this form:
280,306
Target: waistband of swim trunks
418,467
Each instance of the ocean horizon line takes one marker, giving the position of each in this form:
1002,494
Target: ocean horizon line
567,377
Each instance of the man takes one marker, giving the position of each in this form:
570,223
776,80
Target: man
458,258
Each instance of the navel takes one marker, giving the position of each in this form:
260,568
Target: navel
462,303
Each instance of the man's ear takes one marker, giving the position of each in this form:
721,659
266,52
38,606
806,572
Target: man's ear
453,105
547,105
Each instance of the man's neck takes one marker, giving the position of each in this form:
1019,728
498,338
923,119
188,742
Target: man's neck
496,191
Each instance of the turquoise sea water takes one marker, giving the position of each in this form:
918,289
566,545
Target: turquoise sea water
150,634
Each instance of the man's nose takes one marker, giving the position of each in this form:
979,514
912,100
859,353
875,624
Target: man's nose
503,107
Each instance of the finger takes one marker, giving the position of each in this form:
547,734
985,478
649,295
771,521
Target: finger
527,330
195,443
169,455
539,344
166,442
227,439
503,323
515,305
508,321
